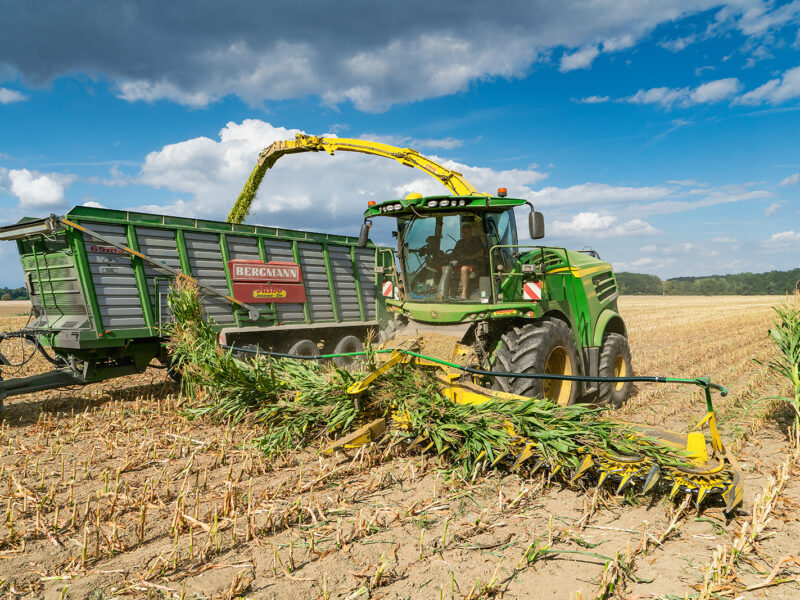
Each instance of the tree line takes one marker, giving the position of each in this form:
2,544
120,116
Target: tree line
742,284
13,293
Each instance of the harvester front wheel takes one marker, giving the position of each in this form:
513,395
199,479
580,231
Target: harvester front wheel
615,361
547,348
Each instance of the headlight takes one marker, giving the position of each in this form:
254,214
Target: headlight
431,204
397,206
444,203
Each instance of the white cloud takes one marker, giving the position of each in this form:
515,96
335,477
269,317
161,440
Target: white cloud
38,190
8,96
616,44
149,91
93,204
678,44
772,208
580,59
594,99
715,91
724,240
592,224
724,195
791,179
775,91
596,193
707,93
784,240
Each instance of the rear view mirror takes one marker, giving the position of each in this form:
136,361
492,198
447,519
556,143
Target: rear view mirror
363,235
536,225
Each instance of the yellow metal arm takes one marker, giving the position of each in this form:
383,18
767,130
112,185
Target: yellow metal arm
452,180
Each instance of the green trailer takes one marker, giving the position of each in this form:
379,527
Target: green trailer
99,281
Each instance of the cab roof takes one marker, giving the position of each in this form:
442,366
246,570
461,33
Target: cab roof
415,203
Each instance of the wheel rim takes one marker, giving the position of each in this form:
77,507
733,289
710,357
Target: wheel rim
558,363
620,370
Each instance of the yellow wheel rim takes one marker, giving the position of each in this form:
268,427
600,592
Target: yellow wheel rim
558,363
620,370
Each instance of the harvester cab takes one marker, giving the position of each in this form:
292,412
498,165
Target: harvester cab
522,308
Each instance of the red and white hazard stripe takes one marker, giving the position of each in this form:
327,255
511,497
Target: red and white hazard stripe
388,289
532,290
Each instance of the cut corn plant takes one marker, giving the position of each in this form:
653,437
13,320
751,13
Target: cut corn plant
785,336
299,403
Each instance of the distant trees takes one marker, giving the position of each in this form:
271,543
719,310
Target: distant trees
13,294
742,284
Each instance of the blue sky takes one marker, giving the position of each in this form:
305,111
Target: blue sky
663,134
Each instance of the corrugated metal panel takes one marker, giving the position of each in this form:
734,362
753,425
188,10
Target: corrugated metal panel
281,250
344,283
159,244
366,273
205,259
56,293
115,313
318,295
243,248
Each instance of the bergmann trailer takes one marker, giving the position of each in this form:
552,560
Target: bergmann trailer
99,280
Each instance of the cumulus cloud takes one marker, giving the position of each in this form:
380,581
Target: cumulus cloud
772,208
303,191
38,190
594,99
775,91
595,225
791,179
93,204
581,59
195,53
707,93
785,240
8,96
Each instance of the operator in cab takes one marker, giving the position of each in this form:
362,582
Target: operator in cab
470,254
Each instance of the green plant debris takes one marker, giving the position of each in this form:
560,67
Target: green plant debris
299,403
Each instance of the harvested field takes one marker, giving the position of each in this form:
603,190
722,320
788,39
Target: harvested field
14,308
108,491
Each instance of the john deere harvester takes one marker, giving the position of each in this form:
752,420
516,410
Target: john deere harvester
460,270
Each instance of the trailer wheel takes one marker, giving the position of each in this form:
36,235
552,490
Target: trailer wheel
348,343
615,361
304,348
547,348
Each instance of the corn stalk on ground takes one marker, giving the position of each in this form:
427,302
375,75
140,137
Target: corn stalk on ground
299,403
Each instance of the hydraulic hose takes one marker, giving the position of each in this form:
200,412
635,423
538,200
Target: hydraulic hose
700,381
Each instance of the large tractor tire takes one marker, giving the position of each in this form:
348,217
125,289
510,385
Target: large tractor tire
615,361
546,347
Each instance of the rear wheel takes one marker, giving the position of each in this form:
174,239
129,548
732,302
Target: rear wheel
615,361
348,343
547,348
304,348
